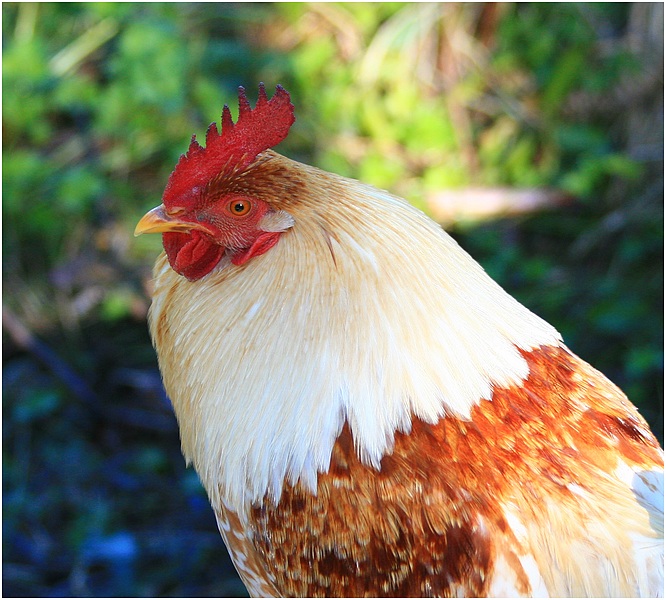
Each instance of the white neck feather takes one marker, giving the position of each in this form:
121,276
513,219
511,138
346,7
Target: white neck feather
341,321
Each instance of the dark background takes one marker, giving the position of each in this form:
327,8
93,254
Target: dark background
533,132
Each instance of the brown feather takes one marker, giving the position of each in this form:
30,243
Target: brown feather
431,522
372,415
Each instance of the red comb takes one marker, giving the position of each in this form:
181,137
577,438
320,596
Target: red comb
235,148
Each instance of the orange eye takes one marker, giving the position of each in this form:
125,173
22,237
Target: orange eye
239,207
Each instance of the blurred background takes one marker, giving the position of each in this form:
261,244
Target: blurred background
533,132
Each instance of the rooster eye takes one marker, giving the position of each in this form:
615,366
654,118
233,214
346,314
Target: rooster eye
239,207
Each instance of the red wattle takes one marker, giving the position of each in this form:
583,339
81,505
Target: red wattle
192,255
262,244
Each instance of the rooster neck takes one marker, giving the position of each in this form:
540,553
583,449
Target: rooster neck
365,312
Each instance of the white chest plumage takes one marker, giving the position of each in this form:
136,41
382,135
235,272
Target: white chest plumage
333,324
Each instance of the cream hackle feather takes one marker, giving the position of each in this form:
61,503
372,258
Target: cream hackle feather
259,364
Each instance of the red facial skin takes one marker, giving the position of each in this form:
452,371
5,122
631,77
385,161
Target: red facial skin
228,226
201,220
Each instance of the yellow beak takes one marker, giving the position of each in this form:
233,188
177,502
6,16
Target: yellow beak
158,220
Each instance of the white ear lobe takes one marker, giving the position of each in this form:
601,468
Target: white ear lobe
276,221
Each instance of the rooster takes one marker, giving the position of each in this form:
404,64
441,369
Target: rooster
368,411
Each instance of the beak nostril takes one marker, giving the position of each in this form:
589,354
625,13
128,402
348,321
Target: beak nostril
159,220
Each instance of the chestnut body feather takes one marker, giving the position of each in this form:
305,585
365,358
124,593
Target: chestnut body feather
372,415
491,506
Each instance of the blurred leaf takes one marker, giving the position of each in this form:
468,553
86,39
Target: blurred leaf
643,359
593,171
78,189
382,170
566,73
116,305
36,405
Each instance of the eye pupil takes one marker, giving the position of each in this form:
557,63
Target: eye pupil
239,207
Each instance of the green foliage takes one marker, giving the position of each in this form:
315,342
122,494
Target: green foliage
99,101
507,108
111,94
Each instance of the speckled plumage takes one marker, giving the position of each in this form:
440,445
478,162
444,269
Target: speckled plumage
372,415
527,498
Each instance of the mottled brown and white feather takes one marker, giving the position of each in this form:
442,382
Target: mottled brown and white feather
372,415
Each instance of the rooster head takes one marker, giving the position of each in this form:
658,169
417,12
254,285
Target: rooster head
211,207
